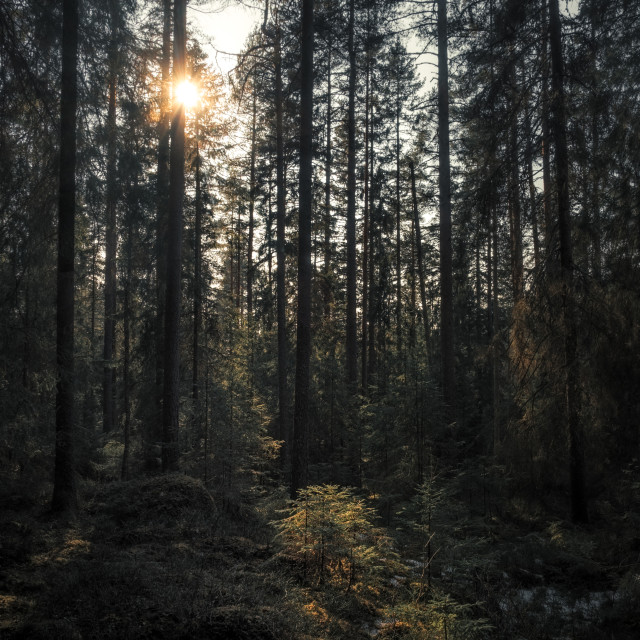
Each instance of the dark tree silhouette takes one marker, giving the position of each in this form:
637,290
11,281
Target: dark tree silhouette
303,344
64,488
171,396
446,259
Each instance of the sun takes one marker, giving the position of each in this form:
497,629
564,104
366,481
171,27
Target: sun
187,94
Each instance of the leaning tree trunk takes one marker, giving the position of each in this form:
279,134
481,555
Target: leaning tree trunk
303,346
171,396
64,487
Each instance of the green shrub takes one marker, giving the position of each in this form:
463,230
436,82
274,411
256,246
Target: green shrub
331,532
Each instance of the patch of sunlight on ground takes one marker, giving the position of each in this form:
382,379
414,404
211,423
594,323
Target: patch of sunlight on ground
316,611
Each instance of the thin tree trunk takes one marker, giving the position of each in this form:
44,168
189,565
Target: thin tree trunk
495,328
489,278
515,218
238,276
171,398
352,332
446,258
64,485
595,169
269,244
154,434
365,230
493,275
574,427
398,228
546,139
283,396
419,258
369,248
532,188
252,200
111,243
197,290
299,456
124,473
327,285
412,276
232,268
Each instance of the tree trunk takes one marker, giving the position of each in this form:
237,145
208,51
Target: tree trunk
398,228
369,250
532,188
111,244
303,345
197,290
495,328
352,330
365,229
327,284
419,258
252,200
283,396
126,330
446,258
515,222
154,434
64,486
171,397
574,427
546,139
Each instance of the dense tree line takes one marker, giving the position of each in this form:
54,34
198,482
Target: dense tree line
329,269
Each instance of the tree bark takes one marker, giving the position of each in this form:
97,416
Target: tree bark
154,434
532,188
546,139
283,348
446,259
171,397
398,227
579,512
419,258
365,228
252,200
327,284
352,330
299,457
515,218
126,330
111,242
64,487
197,290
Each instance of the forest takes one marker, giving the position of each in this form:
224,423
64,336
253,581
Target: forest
343,343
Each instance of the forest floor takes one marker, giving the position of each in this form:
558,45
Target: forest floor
162,558
157,558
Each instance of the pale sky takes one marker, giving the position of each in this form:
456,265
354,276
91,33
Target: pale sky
223,26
